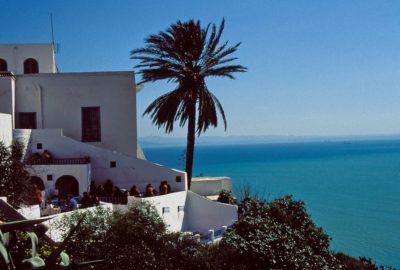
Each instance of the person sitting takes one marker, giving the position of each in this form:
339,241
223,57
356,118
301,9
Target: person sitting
116,192
168,187
72,204
100,191
86,201
150,192
47,155
108,188
94,200
134,191
163,188
93,188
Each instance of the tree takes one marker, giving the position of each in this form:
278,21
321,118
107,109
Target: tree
14,179
276,235
186,54
135,239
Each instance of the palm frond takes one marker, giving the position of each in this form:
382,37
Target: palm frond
186,54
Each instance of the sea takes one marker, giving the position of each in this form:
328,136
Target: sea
350,188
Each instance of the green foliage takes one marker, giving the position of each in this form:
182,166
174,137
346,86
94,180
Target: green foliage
89,237
276,235
187,54
226,196
14,179
138,239
9,240
360,264
269,235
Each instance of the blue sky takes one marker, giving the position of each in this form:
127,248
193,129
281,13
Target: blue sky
314,67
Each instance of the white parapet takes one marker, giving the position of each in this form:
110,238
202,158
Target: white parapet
210,186
188,211
5,129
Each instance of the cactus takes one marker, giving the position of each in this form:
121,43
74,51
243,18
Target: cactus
57,259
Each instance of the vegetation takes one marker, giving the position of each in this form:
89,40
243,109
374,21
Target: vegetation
137,239
227,197
29,259
277,235
186,54
14,179
268,235
89,238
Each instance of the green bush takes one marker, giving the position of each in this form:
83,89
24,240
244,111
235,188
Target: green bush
268,235
276,235
88,240
14,179
136,239
226,197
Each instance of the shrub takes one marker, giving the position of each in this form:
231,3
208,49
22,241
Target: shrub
14,179
226,197
276,235
88,240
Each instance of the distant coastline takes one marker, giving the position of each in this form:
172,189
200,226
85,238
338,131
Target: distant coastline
164,141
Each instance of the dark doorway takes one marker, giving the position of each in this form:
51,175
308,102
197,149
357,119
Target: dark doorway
37,181
67,184
27,120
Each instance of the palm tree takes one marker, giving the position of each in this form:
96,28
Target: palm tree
186,54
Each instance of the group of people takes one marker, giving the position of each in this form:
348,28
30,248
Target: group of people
109,190
87,200
91,198
150,191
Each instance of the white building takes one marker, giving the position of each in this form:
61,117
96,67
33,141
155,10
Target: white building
87,122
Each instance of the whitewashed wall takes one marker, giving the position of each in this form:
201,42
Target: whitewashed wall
199,214
210,186
58,99
128,171
7,95
16,54
5,129
202,214
81,172
30,212
174,218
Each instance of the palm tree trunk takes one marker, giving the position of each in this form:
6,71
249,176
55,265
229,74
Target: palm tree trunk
190,145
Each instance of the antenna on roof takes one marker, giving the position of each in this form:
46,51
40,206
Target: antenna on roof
52,28
55,46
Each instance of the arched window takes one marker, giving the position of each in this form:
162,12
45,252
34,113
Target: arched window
31,66
3,65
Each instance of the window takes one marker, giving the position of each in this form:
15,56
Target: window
165,210
113,164
39,146
49,177
178,179
27,120
91,124
3,65
31,66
